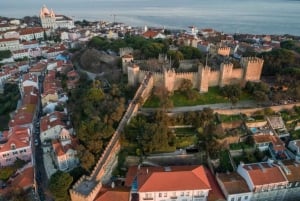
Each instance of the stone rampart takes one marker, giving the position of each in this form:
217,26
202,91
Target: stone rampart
87,187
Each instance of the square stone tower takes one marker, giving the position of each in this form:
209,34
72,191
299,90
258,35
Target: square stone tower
225,74
252,68
204,72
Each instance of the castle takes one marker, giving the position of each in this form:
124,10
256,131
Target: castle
205,77
53,21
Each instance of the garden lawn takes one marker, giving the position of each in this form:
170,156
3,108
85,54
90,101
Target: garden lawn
213,96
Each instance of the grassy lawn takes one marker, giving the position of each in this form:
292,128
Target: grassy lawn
185,141
213,96
185,131
229,118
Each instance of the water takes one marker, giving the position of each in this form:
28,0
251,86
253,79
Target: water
243,16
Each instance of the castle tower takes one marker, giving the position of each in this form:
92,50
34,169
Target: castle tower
203,72
252,68
224,51
225,74
169,79
133,74
126,61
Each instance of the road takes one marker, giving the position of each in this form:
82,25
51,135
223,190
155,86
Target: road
239,105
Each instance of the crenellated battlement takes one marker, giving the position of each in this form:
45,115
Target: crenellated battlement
252,60
125,50
224,51
205,77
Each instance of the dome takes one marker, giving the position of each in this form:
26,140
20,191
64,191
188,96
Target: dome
45,10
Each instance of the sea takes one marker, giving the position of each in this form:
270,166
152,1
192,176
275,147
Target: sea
230,16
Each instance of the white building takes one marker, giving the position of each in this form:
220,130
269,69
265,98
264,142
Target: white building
10,44
51,126
53,21
266,180
294,146
18,145
179,183
64,153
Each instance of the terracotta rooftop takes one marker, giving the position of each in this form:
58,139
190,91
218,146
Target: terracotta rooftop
170,178
262,138
18,138
8,39
113,195
264,173
150,34
61,149
51,120
233,183
29,76
25,179
31,30
39,67
293,168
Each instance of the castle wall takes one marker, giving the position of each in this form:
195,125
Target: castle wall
237,75
213,78
193,77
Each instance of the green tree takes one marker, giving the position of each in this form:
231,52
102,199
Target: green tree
232,92
59,184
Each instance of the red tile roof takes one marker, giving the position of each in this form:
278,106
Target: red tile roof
17,136
150,34
113,195
25,179
264,173
8,39
51,120
152,179
233,183
31,30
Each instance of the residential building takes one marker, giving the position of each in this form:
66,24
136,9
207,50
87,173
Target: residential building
294,146
64,152
234,187
33,33
266,180
291,170
51,125
10,44
169,183
17,145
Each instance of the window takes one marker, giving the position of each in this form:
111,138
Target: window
187,193
246,197
239,199
182,193
232,199
165,194
159,195
13,146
